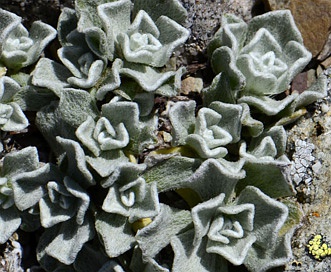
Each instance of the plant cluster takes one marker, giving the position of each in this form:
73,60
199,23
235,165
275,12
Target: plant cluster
115,198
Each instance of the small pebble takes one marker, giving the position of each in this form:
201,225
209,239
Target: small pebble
317,167
325,108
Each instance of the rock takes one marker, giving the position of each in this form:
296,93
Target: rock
299,82
313,18
326,49
191,84
30,11
276,4
326,63
204,19
314,21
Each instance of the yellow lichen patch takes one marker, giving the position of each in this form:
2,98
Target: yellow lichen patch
318,248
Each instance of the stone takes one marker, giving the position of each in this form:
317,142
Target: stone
191,84
327,62
276,4
313,18
326,49
300,82
311,77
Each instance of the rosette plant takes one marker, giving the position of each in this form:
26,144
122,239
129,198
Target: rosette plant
222,226
81,68
21,165
59,198
234,231
12,117
210,131
138,48
257,61
19,48
118,131
149,39
115,195
129,202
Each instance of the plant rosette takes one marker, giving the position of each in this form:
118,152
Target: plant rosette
240,231
19,48
256,61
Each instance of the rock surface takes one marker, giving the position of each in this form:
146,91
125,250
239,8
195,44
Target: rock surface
47,11
204,19
313,195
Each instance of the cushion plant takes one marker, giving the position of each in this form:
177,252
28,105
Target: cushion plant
116,196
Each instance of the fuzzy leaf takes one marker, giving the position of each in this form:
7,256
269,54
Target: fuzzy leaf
67,23
63,117
27,159
267,105
63,242
253,126
133,199
154,237
269,215
107,163
115,233
86,69
193,258
76,166
12,117
51,75
29,187
257,60
214,177
90,24
170,173
275,256
148,78
266,173
32,98
9,223
19,47
182,117
172,9
63,201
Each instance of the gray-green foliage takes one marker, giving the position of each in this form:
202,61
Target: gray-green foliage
255,61
19,47
114,200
